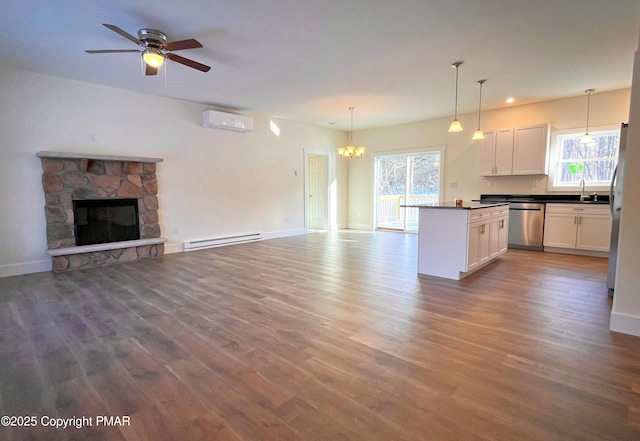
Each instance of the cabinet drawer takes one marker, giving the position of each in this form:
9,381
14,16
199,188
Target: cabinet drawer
578,208
500,211
479,214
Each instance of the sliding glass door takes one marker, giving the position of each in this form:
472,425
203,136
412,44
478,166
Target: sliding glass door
405,179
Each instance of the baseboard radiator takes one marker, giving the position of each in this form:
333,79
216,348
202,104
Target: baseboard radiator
191,245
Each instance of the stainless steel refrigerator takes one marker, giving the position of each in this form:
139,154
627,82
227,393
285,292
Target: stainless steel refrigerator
615,203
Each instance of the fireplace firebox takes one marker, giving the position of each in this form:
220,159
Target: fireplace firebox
105,220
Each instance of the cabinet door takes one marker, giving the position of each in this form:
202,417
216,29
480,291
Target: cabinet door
498,237
473,255
483,243
560,230
530,148
594,232
504,151
494,238
478,245
488,154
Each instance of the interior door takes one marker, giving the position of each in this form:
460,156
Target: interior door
317,207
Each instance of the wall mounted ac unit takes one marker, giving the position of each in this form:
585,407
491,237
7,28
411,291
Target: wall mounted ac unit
226,121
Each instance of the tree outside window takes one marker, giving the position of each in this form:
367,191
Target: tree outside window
593,162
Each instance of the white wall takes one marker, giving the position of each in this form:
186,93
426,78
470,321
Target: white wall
462,156
212,183
625,316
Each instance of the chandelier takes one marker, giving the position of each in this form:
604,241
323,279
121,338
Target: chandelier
350,151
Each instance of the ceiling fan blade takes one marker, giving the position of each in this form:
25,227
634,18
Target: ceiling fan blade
150,70
111,51
188,62
182,44
125,34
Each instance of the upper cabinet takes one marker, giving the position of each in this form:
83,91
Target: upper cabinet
497,153
515,151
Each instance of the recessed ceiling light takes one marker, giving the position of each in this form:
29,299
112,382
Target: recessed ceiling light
510,100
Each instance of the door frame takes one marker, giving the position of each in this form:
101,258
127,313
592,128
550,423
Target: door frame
308,154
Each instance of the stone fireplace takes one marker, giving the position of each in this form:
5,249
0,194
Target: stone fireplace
69,177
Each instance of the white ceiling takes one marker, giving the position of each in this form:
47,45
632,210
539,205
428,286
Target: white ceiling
310,60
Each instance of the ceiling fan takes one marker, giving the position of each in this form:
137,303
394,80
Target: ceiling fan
155,49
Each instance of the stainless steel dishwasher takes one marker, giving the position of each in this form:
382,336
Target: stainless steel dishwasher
526,225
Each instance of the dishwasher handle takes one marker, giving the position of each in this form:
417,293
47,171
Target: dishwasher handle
525,209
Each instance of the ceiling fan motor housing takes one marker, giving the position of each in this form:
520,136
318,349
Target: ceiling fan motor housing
152,37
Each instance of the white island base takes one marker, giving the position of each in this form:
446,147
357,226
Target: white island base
453,242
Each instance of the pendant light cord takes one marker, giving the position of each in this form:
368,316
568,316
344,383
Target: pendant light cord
480,82
588,92
351,132
455,111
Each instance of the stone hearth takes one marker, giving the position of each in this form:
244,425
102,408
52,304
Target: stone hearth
72,176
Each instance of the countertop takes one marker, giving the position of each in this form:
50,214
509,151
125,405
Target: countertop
471,205
543,198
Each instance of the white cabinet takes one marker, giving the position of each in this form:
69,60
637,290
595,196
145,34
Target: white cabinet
515,151
499,231
454,242
560,229
488,235
577,227
478,233
530,147
496,157
594,232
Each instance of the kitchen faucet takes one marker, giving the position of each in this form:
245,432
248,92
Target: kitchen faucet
583,197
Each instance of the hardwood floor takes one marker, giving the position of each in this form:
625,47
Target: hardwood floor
319,337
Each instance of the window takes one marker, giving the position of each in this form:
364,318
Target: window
405,179
572,161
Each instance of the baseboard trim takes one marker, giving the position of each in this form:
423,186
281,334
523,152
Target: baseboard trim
284,233
356,226
19,269
173,247
577,252
625,323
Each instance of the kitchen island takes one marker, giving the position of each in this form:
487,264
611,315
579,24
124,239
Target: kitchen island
454,240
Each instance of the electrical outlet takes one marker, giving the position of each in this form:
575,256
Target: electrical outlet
535,183
453,185
489,184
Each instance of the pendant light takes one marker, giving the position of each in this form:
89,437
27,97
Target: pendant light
586,138
478,133
455,124
350,151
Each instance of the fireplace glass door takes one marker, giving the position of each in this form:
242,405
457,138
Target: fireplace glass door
106,220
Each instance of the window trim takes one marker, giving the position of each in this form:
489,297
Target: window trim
553,158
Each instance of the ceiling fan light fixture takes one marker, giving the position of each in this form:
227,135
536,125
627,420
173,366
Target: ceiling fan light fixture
153,57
